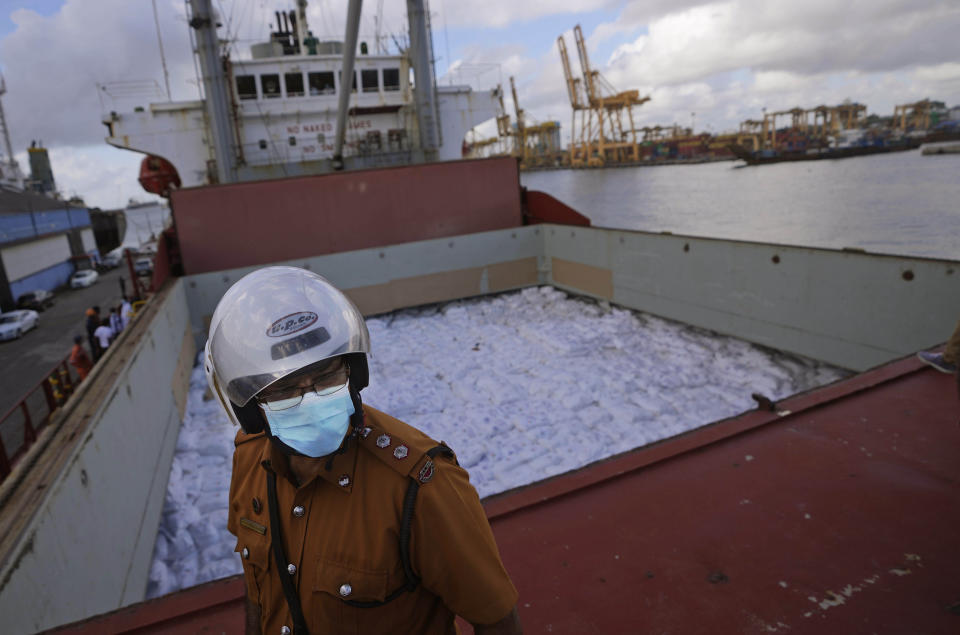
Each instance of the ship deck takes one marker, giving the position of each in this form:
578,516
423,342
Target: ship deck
838,512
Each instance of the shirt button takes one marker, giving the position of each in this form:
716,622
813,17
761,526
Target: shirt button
345,590
291,568
245,553
284,630
299,511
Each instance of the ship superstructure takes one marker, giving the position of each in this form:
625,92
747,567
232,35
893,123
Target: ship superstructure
283,105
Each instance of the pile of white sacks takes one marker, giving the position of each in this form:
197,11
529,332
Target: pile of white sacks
522,386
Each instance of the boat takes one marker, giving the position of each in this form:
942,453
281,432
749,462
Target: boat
824,512
281,109
91,489
819,153
951,148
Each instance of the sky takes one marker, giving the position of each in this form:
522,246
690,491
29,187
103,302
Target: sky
707,63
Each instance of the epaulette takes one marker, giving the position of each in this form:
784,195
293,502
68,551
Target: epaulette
242,437
401,446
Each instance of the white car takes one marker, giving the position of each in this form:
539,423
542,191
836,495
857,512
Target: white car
16,323
83,278
143,266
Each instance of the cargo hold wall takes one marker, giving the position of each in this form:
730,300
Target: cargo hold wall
384,279
846,307
78,528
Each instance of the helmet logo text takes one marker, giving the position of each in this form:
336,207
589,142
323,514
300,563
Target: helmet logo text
291,323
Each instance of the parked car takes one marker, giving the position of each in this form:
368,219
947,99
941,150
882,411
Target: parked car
35,300
83,278
110,261
16,323
143,266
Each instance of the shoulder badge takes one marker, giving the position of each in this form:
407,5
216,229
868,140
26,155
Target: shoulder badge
426,472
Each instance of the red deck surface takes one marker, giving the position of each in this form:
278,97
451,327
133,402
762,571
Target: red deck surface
841,517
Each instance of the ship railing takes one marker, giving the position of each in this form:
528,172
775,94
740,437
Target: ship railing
21,425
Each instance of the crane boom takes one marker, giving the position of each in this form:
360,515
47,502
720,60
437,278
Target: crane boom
588,73
516,106
572,82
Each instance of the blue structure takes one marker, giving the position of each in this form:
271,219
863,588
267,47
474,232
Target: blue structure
40,240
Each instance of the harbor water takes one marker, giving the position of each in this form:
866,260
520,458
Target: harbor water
902,203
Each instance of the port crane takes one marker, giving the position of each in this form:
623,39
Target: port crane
915,116
535,144
604,132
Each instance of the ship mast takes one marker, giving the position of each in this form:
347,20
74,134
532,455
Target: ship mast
302,26
421,48
215,89
349,54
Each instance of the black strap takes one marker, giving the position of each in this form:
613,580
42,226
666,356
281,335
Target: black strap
406,521
280,558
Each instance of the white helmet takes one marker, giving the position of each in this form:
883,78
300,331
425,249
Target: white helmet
274,322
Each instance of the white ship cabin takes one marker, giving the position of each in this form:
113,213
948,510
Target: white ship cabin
288,106
285,113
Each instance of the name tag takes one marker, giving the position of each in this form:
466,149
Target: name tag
257,527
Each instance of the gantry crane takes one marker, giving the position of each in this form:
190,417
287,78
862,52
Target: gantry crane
536,144
605,131
827,121
915,116
577,155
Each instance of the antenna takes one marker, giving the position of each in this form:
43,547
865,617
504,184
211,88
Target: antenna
163,58
378,24
3,125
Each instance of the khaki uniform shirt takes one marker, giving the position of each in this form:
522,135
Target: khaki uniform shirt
340,530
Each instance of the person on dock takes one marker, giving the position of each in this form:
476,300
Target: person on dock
104,334
343,514
126,311
79,358
116,322
93,321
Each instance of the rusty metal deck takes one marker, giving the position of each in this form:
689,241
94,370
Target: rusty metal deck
842,516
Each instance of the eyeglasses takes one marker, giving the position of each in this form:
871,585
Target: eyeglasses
286,399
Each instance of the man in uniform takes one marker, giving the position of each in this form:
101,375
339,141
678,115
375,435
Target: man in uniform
347,520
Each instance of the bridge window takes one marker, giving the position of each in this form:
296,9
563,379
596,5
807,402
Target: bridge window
321,83
270,85
369,80
294,84
396,139
353,88
246,86
391,79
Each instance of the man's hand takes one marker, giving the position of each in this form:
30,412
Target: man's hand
510,625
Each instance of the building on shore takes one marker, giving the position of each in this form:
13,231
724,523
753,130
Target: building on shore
43,241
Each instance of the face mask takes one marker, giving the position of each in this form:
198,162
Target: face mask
317,426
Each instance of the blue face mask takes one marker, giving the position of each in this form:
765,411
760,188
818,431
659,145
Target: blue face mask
317,426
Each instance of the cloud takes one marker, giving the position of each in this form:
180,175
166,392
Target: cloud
809,37
53,64
725,60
